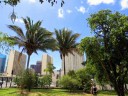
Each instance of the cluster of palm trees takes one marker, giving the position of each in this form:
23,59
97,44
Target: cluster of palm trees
38,38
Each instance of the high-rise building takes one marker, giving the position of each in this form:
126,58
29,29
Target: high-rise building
45,60
2,63
72,62
55,77
15,66
37,67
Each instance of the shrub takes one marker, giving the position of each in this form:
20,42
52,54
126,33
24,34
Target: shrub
69,82
45,81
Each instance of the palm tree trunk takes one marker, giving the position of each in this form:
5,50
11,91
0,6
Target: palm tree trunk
64,66
28,61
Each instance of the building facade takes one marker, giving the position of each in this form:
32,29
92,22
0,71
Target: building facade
2,63
15,65
45,60
55,77
37,67
72,62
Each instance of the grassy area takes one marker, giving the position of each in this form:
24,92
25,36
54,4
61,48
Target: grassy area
50,92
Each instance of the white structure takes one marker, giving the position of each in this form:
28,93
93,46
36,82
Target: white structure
55,76
45,60
72,62
14,65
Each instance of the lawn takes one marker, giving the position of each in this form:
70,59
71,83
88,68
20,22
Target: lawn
50,92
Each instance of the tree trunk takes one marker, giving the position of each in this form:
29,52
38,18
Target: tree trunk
64,66
126,89
28,61
119,88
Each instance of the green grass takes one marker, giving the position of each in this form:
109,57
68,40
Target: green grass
50,92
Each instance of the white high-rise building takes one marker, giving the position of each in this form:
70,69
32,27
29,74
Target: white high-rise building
45,60
72,62
14,66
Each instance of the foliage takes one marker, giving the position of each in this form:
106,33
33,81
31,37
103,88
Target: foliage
15,2
5,43
68,82
45,81
66,42
36,37
84,76
50,69
26,80
108,48
17,81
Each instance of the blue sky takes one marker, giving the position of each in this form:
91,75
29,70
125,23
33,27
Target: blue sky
72,15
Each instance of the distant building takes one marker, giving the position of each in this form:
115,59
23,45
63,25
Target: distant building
2,63
55,77
14,65
45,60
72,62
37,67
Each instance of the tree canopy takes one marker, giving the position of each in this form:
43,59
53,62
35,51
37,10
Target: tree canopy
15,2
109,47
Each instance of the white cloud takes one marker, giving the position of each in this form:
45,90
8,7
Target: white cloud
32,1
60,13
69,11
124,4
97,2
81,9
19,20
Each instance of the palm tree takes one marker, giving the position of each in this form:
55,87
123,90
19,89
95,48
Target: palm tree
36,38
66,42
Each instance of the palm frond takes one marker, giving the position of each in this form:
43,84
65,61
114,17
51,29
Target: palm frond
17,30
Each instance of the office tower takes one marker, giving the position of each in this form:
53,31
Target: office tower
72,62
55,77
2,63
37,67
15,66
45,60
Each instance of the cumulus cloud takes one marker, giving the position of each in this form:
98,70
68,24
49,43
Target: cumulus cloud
19,20
124,4
60,13
97,2
81,9
32,1
69,11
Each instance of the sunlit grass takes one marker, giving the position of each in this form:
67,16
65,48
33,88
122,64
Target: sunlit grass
51,92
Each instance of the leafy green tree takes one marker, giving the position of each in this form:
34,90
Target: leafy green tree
66,42
5,43
68,82
36,38
50,69
28,79
15,2
46,81
109,47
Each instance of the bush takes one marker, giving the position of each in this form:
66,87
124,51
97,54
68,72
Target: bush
26,80
45,81
69,82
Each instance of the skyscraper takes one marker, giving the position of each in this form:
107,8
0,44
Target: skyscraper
2,63
72,62
45,60
14,65
37,67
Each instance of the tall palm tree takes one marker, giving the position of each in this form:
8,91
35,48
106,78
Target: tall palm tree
66,42
36,37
